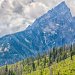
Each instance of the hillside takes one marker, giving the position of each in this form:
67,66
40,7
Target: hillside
66,67
59,61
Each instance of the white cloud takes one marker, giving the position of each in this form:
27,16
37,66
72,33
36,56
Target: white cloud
35,10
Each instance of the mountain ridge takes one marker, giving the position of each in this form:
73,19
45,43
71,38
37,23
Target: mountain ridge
49,30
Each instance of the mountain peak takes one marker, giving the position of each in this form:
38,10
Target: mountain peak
60,11
62,4
61,8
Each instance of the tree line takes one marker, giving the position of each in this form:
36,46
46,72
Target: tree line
32,64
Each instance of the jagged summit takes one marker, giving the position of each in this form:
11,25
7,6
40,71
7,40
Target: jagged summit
60,11
61,7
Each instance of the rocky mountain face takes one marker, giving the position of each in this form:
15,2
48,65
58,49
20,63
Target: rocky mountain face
55,28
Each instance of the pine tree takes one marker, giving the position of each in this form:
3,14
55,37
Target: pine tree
23,63
57,60
6,70
64,55
54,56
50,56
27,61
60,50
44,61
38,59
33,66
71,52
71,48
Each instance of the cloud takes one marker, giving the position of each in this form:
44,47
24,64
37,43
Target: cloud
35,10
15,20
